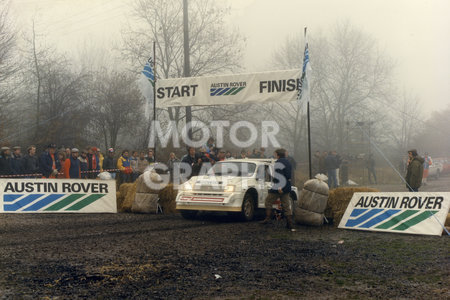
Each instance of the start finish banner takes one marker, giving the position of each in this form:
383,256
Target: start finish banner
57,196
279,86
414,213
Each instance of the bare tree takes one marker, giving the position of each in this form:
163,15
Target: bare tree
213,47
407,121
117,105
349,77
432,135
8,66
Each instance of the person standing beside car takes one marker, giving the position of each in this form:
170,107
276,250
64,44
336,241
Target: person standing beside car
281,188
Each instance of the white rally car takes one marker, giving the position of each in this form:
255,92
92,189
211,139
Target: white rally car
237,185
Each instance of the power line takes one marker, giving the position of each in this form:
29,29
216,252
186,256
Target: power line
86,18
81,27
90,9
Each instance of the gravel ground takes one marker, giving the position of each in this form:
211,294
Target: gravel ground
166,257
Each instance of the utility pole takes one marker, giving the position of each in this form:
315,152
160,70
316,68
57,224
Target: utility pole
187,65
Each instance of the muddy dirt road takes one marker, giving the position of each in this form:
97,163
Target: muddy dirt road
167,257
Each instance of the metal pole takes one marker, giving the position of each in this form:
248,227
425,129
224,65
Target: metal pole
187,66
309,126
154,98
309,142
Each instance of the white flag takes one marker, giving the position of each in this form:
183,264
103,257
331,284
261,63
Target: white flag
147,84
304,83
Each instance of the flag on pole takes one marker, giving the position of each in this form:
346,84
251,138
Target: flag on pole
147,84
148,71
304,83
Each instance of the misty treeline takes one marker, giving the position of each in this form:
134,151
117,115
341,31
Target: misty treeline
47,96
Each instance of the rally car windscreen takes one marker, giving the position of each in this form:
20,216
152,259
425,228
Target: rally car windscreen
239,169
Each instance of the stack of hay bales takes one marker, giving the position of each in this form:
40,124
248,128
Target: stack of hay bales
447,222
167,198
312,203
138,197
146,198
125,196
338,201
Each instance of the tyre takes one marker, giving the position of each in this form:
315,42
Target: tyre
248,208
189,214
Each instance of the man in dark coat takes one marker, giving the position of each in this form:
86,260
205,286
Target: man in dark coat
150,156
72,168
331,166
414,171
109,164
322,167
83,164
49,163
315,168
17,162
293,164
192,161
31,162
5,161
281,188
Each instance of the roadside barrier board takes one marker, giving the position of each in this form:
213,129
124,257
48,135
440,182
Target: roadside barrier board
413,213
57,196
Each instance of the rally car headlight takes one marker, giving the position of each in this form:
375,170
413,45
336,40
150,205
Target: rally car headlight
186,187
229,188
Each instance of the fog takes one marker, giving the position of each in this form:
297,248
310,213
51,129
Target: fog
414,33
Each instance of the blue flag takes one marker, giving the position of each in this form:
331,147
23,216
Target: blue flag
148,71
303,85
147,84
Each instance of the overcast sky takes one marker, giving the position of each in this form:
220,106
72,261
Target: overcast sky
415,33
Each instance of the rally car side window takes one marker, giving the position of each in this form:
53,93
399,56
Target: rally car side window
260,173
268,173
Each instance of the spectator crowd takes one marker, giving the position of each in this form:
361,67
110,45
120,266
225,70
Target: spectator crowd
90,162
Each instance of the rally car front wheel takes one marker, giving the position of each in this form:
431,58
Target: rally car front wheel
248,208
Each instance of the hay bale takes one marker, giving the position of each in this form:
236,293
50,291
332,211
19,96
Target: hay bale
145,203
119,201
339,199
129,192
167,198
123,189
314,196
141,186
306,217
447,221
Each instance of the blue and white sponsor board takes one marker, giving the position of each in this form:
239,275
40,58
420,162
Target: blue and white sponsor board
414,213
57,196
